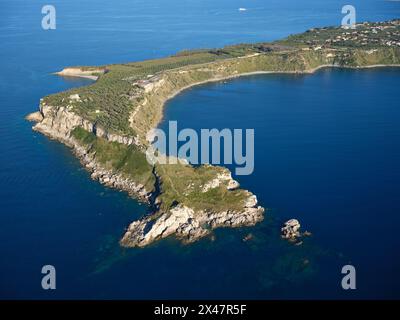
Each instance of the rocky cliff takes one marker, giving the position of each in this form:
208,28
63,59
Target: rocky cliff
91,73
189,225
59,122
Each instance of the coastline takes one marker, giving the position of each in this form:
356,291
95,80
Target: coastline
108,123
37,116
97,172
246,74
136,234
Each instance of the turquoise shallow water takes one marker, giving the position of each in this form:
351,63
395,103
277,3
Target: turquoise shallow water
327,153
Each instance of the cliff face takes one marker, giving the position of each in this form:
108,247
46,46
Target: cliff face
108,177
59,122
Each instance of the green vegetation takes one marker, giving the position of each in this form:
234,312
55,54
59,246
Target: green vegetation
111,99
119,158
185,184
179,183
366,35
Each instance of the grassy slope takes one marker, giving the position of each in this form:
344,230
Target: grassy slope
184,184
178,183
127,160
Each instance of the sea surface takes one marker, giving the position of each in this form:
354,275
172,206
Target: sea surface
327,153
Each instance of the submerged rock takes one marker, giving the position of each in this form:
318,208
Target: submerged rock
248,237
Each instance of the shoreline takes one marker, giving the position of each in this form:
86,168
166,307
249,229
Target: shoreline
97,172
139,94
246,74
38,117
76,72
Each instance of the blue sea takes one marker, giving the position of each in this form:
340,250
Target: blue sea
327,153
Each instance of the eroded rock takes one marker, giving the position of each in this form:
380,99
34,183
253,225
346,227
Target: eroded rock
290,230
187,225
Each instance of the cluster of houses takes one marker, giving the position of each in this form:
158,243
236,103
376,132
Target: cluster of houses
364,34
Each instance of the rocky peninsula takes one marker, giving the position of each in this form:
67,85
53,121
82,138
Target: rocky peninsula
106,123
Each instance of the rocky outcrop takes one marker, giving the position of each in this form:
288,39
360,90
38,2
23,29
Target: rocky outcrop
291,231
58,122
148,97
224,177
101,133
188,225
34,117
